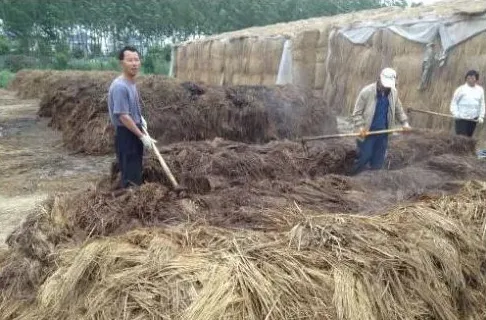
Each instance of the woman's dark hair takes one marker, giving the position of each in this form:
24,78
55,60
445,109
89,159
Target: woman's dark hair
473,73
121,54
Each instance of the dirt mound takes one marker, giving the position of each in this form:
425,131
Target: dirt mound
178,111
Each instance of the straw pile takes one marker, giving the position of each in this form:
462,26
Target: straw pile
180,111
268,231
31,84
422,261
228,176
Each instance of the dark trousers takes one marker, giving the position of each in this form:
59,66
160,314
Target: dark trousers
372,151
129,154
465,127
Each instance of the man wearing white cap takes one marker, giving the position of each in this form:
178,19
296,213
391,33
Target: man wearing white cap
377,108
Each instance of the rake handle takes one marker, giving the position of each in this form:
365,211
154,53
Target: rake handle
164,165
438,114
354,134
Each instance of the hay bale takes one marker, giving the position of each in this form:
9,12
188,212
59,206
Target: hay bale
182,61
232,61
241,63
256,64
304,58
204,71
218,53
322,52
191,62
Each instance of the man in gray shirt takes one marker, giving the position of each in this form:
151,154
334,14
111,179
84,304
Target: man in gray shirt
125,114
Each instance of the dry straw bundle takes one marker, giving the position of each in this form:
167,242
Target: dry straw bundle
304,58
218,52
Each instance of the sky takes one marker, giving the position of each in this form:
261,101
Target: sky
423,1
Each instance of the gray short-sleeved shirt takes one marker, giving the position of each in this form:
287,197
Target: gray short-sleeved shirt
123,99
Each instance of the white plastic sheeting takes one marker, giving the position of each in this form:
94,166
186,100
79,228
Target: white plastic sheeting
453,34
173,56
285,68
451,31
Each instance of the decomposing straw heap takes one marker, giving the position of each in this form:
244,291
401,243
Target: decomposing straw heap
177,111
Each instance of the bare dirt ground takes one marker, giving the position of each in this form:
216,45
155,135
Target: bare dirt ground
33,162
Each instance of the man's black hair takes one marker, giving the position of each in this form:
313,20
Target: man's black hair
473,73
121,54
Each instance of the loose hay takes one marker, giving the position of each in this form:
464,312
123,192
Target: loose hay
423,261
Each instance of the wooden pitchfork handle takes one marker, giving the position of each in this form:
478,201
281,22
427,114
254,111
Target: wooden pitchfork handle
164,165
354,134
438,114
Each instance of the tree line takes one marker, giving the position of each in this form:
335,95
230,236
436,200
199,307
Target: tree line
49,27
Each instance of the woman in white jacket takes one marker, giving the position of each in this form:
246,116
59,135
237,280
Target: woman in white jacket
468,105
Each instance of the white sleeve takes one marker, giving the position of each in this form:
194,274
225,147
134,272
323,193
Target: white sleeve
455,100
482,110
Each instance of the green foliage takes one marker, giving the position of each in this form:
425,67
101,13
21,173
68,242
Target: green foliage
62,47
61,61
5,45
44,48
92,64
158,19
157,60
43,28
113,64
5,78
95,50
16,63
77,53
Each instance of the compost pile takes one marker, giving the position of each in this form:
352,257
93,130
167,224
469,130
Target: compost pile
77,105
265,231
